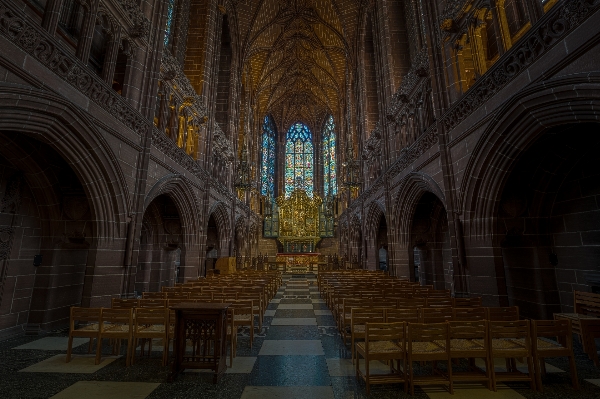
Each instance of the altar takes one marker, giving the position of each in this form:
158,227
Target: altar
299,263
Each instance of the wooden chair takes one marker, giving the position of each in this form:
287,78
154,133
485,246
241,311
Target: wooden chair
435,315
509,340
345,315
469,340
151,323
243,316
201,296
440,302
590,330
359,317
116,324
469,314
474,302
84,323
503,314
383,342
428,342
409,315
541,330
118,303
257,296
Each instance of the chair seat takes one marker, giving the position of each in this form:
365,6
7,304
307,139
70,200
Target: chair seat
507,344
89,327
465,344
428,347
116,328
242,317
375,347
157,328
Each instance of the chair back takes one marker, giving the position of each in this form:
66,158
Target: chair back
469,314
518,330
410,303
510,313
467,302
435,315
392,332
116,317
152,303
151,316
118,303
439,302
408,315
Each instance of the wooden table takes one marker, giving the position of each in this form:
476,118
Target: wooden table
205,325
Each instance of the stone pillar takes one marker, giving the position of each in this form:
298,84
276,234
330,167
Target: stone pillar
87,32
51,15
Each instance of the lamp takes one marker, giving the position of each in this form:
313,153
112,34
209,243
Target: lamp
352,168
242,174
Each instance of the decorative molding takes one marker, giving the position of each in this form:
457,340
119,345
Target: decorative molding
551,29
418,70
372,148
141,24
222,148
31,38
7,234
419,147
173,75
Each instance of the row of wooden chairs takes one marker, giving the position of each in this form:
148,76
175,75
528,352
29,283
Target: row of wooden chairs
133,324
359,316
401,344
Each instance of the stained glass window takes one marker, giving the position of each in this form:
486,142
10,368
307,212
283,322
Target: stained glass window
329,164
299,159
170,19
268,154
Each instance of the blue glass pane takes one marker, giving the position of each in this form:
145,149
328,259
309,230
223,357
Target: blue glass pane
170,18
329,161
268,155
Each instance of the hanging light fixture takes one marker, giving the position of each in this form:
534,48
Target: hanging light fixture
352,178
242,180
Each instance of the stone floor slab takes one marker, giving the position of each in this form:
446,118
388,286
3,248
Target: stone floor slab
595,381
53,343
291,348
306,392
323,313
270,313
79,364
304,306
294,321
107,389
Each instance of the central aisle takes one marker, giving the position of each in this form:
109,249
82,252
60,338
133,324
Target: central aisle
299,331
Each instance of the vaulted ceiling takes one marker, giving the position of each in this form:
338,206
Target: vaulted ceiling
295,56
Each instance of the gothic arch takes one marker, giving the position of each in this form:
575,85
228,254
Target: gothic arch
219,212
180,191
518,124
375,212
412,188
71,133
